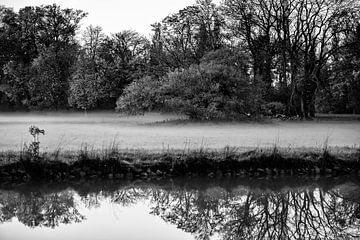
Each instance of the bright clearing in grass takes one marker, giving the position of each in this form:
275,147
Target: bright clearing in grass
71,131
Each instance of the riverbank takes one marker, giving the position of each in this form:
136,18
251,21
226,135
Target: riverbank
122,164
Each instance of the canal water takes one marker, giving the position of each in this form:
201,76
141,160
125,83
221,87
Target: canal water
184,208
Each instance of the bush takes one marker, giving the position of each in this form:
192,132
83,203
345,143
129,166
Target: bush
205,91
140,96
273,108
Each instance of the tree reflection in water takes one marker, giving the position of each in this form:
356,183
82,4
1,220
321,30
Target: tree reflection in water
40,210
237,212
291,214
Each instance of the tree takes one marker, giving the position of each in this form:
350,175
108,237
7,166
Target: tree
44,37
87,84
140,96
125,56
293,40
211,90
252,22
39,209
57,27
105,66
86,90
318,26
183,38
93,38
49,85
17,49
340,83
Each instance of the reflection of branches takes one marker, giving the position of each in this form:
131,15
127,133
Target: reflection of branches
7,207
126,197
190,211
309,213
91,200
302,214
41,210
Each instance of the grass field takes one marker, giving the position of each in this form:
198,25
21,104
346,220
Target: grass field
72,131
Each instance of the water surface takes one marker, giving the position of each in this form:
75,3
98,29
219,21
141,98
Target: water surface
226,208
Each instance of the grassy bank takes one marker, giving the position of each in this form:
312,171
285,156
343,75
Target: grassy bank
114,163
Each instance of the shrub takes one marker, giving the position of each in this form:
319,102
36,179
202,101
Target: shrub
140,96
208,91
205,91
273,108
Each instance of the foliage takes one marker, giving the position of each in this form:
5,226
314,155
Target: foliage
49,85
291,41
105,66
273,108
140,96
208,91
218,88
304,54
15,89
183,38
87,84
233,57
205,91
125,58
85,90
41,209
339,93
41,56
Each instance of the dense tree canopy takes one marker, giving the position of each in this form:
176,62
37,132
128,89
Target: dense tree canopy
291,42
301,56
41,52
214,89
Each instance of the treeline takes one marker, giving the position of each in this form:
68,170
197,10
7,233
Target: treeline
239,58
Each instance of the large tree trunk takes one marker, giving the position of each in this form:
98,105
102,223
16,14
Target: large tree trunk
262,60
308,96
309,84
293,109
